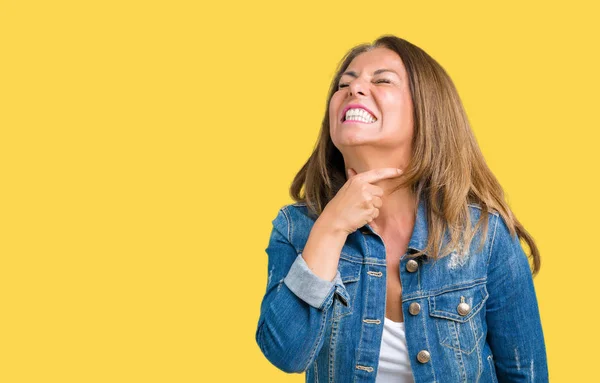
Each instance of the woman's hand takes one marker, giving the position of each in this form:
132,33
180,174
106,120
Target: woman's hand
358,201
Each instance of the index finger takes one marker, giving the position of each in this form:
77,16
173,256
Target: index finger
375,175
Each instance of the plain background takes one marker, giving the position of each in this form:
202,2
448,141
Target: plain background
146,147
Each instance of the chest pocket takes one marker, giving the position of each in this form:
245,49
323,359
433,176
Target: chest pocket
350,273
458,316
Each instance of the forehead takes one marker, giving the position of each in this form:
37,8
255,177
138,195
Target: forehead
376,59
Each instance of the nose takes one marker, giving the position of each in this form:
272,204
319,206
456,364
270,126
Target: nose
356,87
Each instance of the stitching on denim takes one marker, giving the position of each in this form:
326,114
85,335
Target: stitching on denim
375,262
351,258
458,352
459,286
421,294
473,312
365,260
453,333
332,343
427,343
493,241
289,224
349,308
365,305
351,279
356,269
321,332
425,294
364,239
490,359
419,270
414,296
442,342
479,207
479,366
475,336
361,261
316,372
457,349
343,315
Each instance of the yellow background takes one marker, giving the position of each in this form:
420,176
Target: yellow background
146,146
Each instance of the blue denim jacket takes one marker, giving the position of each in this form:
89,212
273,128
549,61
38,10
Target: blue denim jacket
332,330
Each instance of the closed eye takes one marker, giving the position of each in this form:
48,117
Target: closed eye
377,81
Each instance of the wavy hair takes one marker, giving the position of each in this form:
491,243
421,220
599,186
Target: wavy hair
448,183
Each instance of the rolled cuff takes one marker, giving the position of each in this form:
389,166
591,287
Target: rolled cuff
311,288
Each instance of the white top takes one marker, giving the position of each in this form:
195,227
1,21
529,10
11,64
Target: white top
394,365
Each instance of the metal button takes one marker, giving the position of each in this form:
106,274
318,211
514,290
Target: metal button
414,308
463,308
423,356
412,266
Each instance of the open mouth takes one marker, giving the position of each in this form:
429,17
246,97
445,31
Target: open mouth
358,114
356,122
359,118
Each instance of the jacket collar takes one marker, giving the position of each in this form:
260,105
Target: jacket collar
418,239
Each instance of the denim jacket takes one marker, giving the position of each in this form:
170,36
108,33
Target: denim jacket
472,319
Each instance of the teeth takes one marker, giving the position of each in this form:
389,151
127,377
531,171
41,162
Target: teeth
359,115
361,119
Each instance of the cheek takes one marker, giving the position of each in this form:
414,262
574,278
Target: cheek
396,105
334,106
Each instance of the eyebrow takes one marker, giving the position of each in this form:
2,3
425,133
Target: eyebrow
378,71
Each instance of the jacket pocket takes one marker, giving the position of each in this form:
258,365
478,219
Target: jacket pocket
458,316
350,274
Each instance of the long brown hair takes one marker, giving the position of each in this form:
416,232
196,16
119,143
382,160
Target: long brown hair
448,182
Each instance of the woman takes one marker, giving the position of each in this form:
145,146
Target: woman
401,261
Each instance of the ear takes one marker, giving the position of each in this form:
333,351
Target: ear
351,172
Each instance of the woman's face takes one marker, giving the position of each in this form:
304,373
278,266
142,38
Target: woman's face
377,81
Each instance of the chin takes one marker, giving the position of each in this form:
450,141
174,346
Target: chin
354,139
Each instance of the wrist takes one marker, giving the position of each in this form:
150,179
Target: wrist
327,224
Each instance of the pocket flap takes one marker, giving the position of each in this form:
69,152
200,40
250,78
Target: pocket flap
446,304
349,270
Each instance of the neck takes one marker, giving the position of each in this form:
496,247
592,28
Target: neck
397,213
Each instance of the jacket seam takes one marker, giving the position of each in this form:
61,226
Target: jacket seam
490,360
324,311
288,222
458,286
332,349
318,340
358,353
427,343
493,241
477,340
458,351
481,209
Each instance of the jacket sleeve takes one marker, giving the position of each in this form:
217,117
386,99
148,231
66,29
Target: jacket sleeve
514,327
297,306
